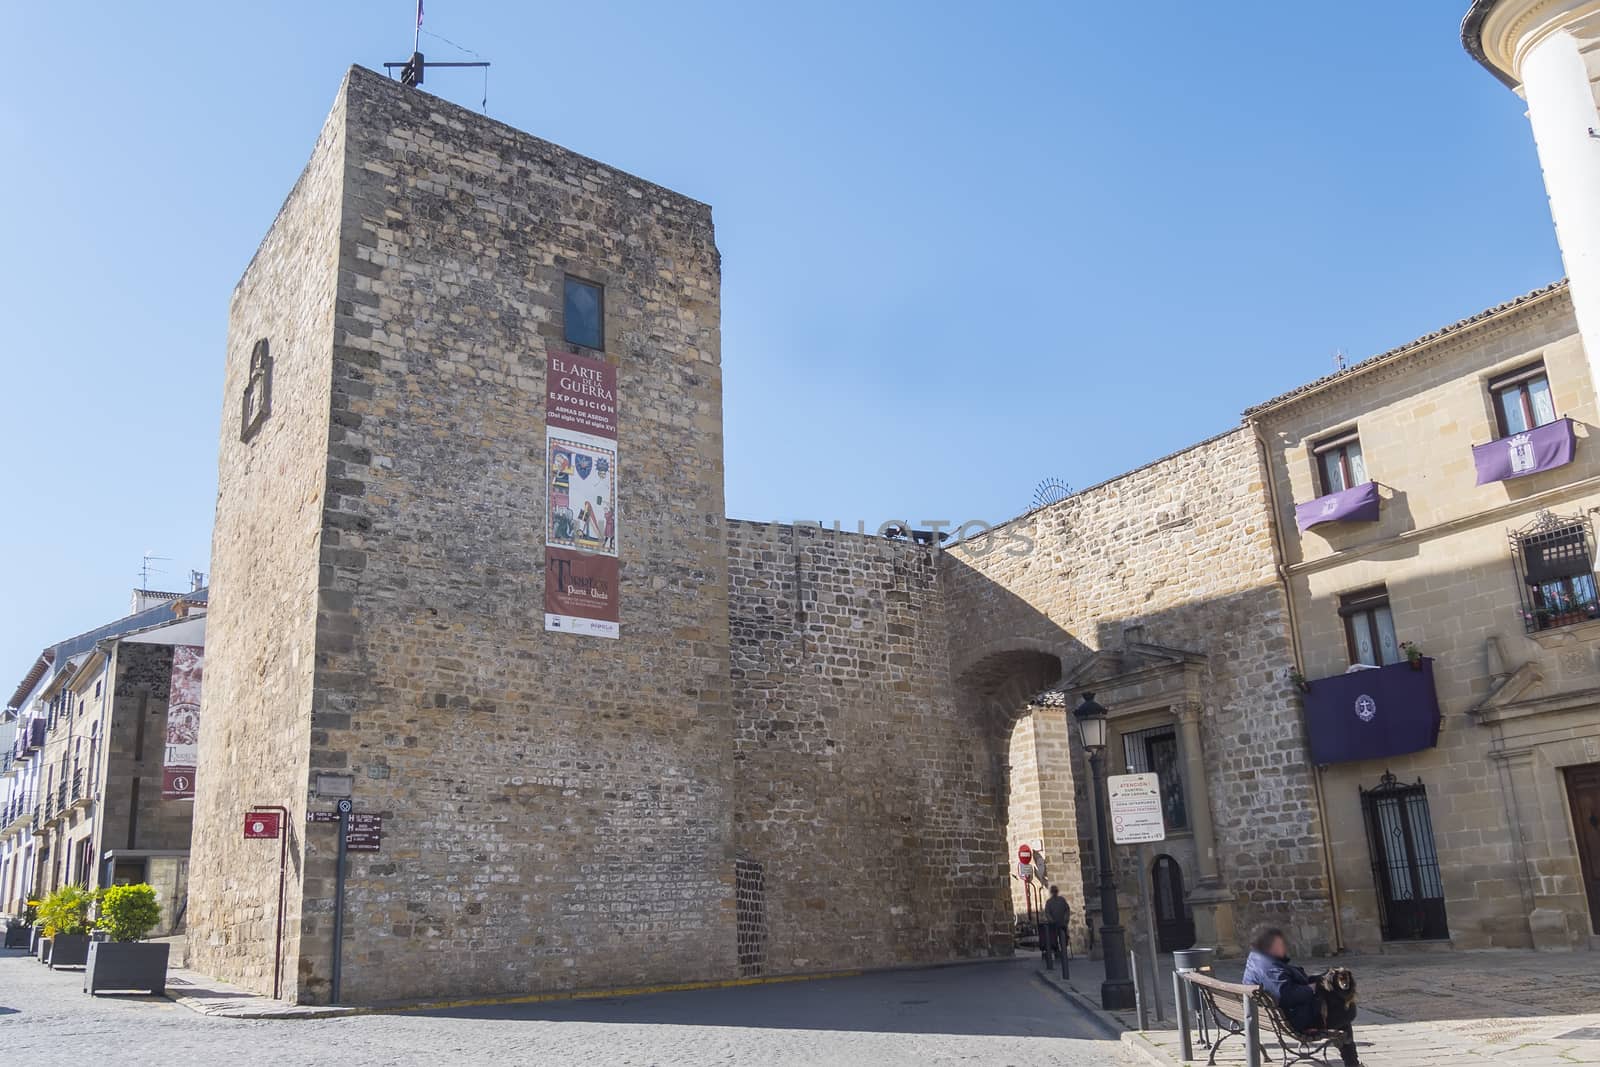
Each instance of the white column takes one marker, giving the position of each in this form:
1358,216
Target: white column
1562,111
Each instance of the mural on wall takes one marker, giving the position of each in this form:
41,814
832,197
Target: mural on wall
582,516
183,723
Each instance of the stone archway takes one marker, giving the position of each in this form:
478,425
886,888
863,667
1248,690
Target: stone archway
1032,776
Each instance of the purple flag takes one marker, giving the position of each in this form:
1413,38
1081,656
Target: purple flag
1540,449
1372,714
1359,504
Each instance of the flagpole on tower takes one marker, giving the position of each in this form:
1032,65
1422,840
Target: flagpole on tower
416,35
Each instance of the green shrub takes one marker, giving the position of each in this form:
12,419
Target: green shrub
129,912
66,911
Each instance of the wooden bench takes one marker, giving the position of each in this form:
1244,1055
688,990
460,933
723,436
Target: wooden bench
1237,1010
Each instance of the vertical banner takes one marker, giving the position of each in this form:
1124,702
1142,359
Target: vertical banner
582,519
183,724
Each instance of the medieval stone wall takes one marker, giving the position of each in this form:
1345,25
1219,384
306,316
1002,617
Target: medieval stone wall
868,798
255,724
556,808
1181,553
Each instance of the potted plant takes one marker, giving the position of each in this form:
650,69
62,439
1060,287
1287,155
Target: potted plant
1413,654
20,933
65,915
127,914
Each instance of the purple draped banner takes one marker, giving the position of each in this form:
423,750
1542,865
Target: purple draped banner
1359,504
1540,449
1372,714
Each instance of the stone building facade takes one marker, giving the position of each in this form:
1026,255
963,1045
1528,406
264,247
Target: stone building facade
807,749
1496,831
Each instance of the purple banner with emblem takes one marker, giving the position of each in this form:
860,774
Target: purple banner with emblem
1359,504
1540,449
1373,714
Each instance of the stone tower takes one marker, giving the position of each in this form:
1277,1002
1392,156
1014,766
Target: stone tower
555,806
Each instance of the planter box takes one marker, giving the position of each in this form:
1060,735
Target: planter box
34,934
69,950
42,950
127,965
18,936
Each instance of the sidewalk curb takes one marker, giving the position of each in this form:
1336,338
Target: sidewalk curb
1107,1021
205,1001
1142,1050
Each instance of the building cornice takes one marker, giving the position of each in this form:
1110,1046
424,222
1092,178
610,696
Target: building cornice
1500,33
1421,351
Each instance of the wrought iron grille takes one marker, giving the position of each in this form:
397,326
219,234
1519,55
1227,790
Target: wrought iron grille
1405,863
1554,561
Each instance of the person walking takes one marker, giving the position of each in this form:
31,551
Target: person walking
1057,913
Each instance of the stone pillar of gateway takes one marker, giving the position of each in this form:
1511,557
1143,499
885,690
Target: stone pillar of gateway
1154,696
1548,52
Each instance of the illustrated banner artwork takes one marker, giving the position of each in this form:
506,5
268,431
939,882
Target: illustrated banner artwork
183,724
1540,449
582,517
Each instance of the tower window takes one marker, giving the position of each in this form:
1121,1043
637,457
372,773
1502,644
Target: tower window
257,401
583,313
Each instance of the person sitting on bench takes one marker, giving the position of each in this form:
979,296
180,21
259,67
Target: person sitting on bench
1288,985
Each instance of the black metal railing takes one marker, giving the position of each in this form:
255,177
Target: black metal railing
1554,561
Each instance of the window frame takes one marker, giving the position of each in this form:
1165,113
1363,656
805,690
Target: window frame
1519,380
1339,441
1363,605
600,311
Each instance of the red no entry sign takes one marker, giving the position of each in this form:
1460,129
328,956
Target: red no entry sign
1024,854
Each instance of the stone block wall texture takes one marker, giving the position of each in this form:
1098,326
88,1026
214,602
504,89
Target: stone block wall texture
1182,548
870,799
261,649
556,809
1442,549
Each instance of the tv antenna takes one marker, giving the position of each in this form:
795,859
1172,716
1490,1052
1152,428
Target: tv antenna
411,70
145,570
1340,364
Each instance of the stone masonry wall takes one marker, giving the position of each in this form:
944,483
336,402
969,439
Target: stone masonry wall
260,648
1181,547
869,800
557,809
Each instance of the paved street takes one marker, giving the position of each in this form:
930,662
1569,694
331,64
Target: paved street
985,1014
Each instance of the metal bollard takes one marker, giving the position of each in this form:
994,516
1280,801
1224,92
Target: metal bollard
1252,1033
1193,959
1179,997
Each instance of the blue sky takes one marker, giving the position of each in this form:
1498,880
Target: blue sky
964,247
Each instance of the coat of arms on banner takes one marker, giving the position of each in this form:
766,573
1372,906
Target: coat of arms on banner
582,505
1522,456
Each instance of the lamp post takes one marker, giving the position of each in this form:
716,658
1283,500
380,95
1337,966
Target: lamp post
1116,992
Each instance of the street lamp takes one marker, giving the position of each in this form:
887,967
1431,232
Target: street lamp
1116,992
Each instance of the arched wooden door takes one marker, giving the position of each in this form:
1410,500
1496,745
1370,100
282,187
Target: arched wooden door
1174,920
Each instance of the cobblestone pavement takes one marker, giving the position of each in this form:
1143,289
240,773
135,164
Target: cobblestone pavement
1465,1009
980,1014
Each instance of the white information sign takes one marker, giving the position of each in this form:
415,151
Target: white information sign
1135,801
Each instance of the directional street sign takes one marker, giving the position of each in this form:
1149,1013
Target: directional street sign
1135,801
